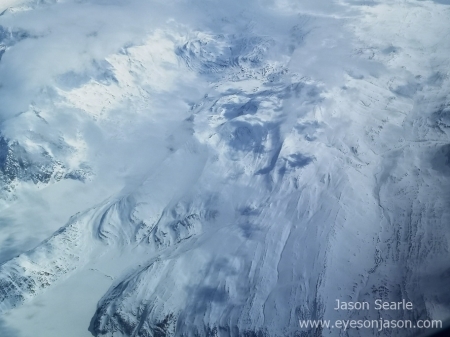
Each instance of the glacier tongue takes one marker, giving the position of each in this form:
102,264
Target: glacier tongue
260,163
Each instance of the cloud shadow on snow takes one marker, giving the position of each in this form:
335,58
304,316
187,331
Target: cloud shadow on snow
6,331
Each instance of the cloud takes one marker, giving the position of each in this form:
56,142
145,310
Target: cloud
56,38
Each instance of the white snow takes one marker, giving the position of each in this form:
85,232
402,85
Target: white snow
251,163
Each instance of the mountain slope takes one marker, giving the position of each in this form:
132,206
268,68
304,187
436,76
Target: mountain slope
261,163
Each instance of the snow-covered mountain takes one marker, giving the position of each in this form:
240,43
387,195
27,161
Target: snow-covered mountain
207,168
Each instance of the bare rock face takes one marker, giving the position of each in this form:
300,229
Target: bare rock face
18,166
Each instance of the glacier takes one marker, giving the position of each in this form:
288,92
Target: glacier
207,168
